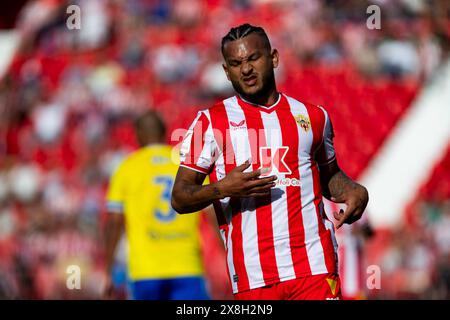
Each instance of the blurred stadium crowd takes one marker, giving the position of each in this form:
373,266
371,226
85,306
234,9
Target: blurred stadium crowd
67,102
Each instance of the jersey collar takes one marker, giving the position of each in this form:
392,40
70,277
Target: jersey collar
254,106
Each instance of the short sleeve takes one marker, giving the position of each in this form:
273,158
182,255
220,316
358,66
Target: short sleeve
198,148
116,194
326,154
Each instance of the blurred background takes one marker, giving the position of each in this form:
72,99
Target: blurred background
67,98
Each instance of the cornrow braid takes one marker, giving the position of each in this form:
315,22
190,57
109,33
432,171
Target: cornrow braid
242,31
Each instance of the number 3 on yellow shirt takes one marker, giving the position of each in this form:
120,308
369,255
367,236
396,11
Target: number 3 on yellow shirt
169,214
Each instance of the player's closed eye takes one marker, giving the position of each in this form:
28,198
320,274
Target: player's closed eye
254,58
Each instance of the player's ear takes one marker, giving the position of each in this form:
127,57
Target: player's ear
275,58
225,68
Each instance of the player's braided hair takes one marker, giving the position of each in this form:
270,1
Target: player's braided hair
242,31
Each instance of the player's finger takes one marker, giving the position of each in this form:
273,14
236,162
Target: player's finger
337,215
355,217
261,181
252,174
243,166
348,213
256,173
262,188
345,215
338,199
257,194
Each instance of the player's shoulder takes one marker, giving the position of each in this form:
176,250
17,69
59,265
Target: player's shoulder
218,109
308,104
153,151
157,148
141,153
313,109
128,160
155,154
222,105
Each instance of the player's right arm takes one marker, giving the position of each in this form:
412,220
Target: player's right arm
189,195
197,157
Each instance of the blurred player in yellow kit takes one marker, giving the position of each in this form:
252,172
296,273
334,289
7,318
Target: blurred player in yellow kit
164,254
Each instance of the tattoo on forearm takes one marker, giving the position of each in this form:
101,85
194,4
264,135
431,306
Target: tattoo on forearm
340,184
192,195
192,189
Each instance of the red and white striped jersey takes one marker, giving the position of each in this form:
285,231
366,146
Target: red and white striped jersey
283,236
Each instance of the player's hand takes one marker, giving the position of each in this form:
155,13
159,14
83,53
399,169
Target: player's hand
242,184
356,200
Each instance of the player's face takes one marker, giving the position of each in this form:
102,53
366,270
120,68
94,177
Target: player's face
249,65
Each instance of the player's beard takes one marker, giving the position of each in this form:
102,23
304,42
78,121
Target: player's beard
268,83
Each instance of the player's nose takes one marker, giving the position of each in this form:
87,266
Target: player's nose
246,69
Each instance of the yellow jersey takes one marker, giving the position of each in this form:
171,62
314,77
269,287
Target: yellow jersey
161,243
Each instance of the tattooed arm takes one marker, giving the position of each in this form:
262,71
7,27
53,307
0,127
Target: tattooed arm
189,195
338,187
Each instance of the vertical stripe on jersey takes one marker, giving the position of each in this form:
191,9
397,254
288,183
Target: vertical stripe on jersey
317,117
208,155
325,234
223,216
280,208
329,226
220,215
198,140
242,150
311,222
290,137
186,145
235,254
230,257
331,207
262,204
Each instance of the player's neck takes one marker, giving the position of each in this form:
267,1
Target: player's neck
267,100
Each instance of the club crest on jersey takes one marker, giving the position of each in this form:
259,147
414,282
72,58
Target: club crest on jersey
303,122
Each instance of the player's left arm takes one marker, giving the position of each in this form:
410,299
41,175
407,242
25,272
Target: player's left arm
338,187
